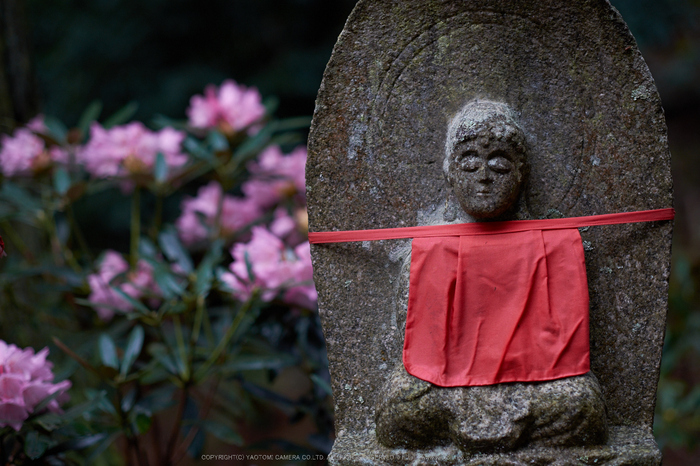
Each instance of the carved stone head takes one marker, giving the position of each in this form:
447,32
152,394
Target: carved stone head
485,158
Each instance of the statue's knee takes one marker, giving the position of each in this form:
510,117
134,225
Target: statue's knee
410,414
572,413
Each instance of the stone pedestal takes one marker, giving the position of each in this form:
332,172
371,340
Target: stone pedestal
627,446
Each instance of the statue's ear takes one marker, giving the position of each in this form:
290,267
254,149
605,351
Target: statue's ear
446,170
523,171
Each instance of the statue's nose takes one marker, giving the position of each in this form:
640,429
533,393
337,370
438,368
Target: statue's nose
484,174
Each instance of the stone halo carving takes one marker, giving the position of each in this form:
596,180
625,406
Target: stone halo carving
566,117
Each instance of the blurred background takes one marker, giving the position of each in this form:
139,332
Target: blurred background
60,55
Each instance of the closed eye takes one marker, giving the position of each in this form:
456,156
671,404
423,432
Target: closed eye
468,161
500,163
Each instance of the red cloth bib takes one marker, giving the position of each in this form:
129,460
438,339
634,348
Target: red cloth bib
496,302
497,308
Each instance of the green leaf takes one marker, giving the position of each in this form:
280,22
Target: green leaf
142,423
49,421
91,113
246,322
43,403
253,146
271,103
88,303
197,149
173,249
160,121
108,351
147,249
205,278
249,267
258,362
172,307
122,115
138,305
325,386
154,374
157,400
223,432
34,446
84,442
205,271
195,448
217,141
97,399
56,128
265,394
61,181
167,283
133,349
170,284
290,124
102,446
288,138
6,211
160,170
163,356
19,197
129,400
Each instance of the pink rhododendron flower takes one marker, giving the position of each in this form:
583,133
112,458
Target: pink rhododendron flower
26,380
25,152
37,124
199,214
291,228
137,284
130,149
283,223
275,268
276,176
237,213
230,108
304,294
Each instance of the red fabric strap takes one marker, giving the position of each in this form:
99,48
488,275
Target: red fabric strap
496,302
486,228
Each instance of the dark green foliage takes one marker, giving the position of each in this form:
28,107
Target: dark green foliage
159,52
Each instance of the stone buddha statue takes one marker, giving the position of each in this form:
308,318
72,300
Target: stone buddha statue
486,166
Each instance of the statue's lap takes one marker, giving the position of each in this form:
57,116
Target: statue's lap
417,414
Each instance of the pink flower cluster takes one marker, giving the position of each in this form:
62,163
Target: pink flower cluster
277,256
25,380
275,268
204,212
114,272
230,108
130,149
275,177
25,152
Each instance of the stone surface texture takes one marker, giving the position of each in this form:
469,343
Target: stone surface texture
584,97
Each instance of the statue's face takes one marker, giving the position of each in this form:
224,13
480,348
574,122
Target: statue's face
484,175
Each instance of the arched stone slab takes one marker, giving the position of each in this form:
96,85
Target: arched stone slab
571,70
